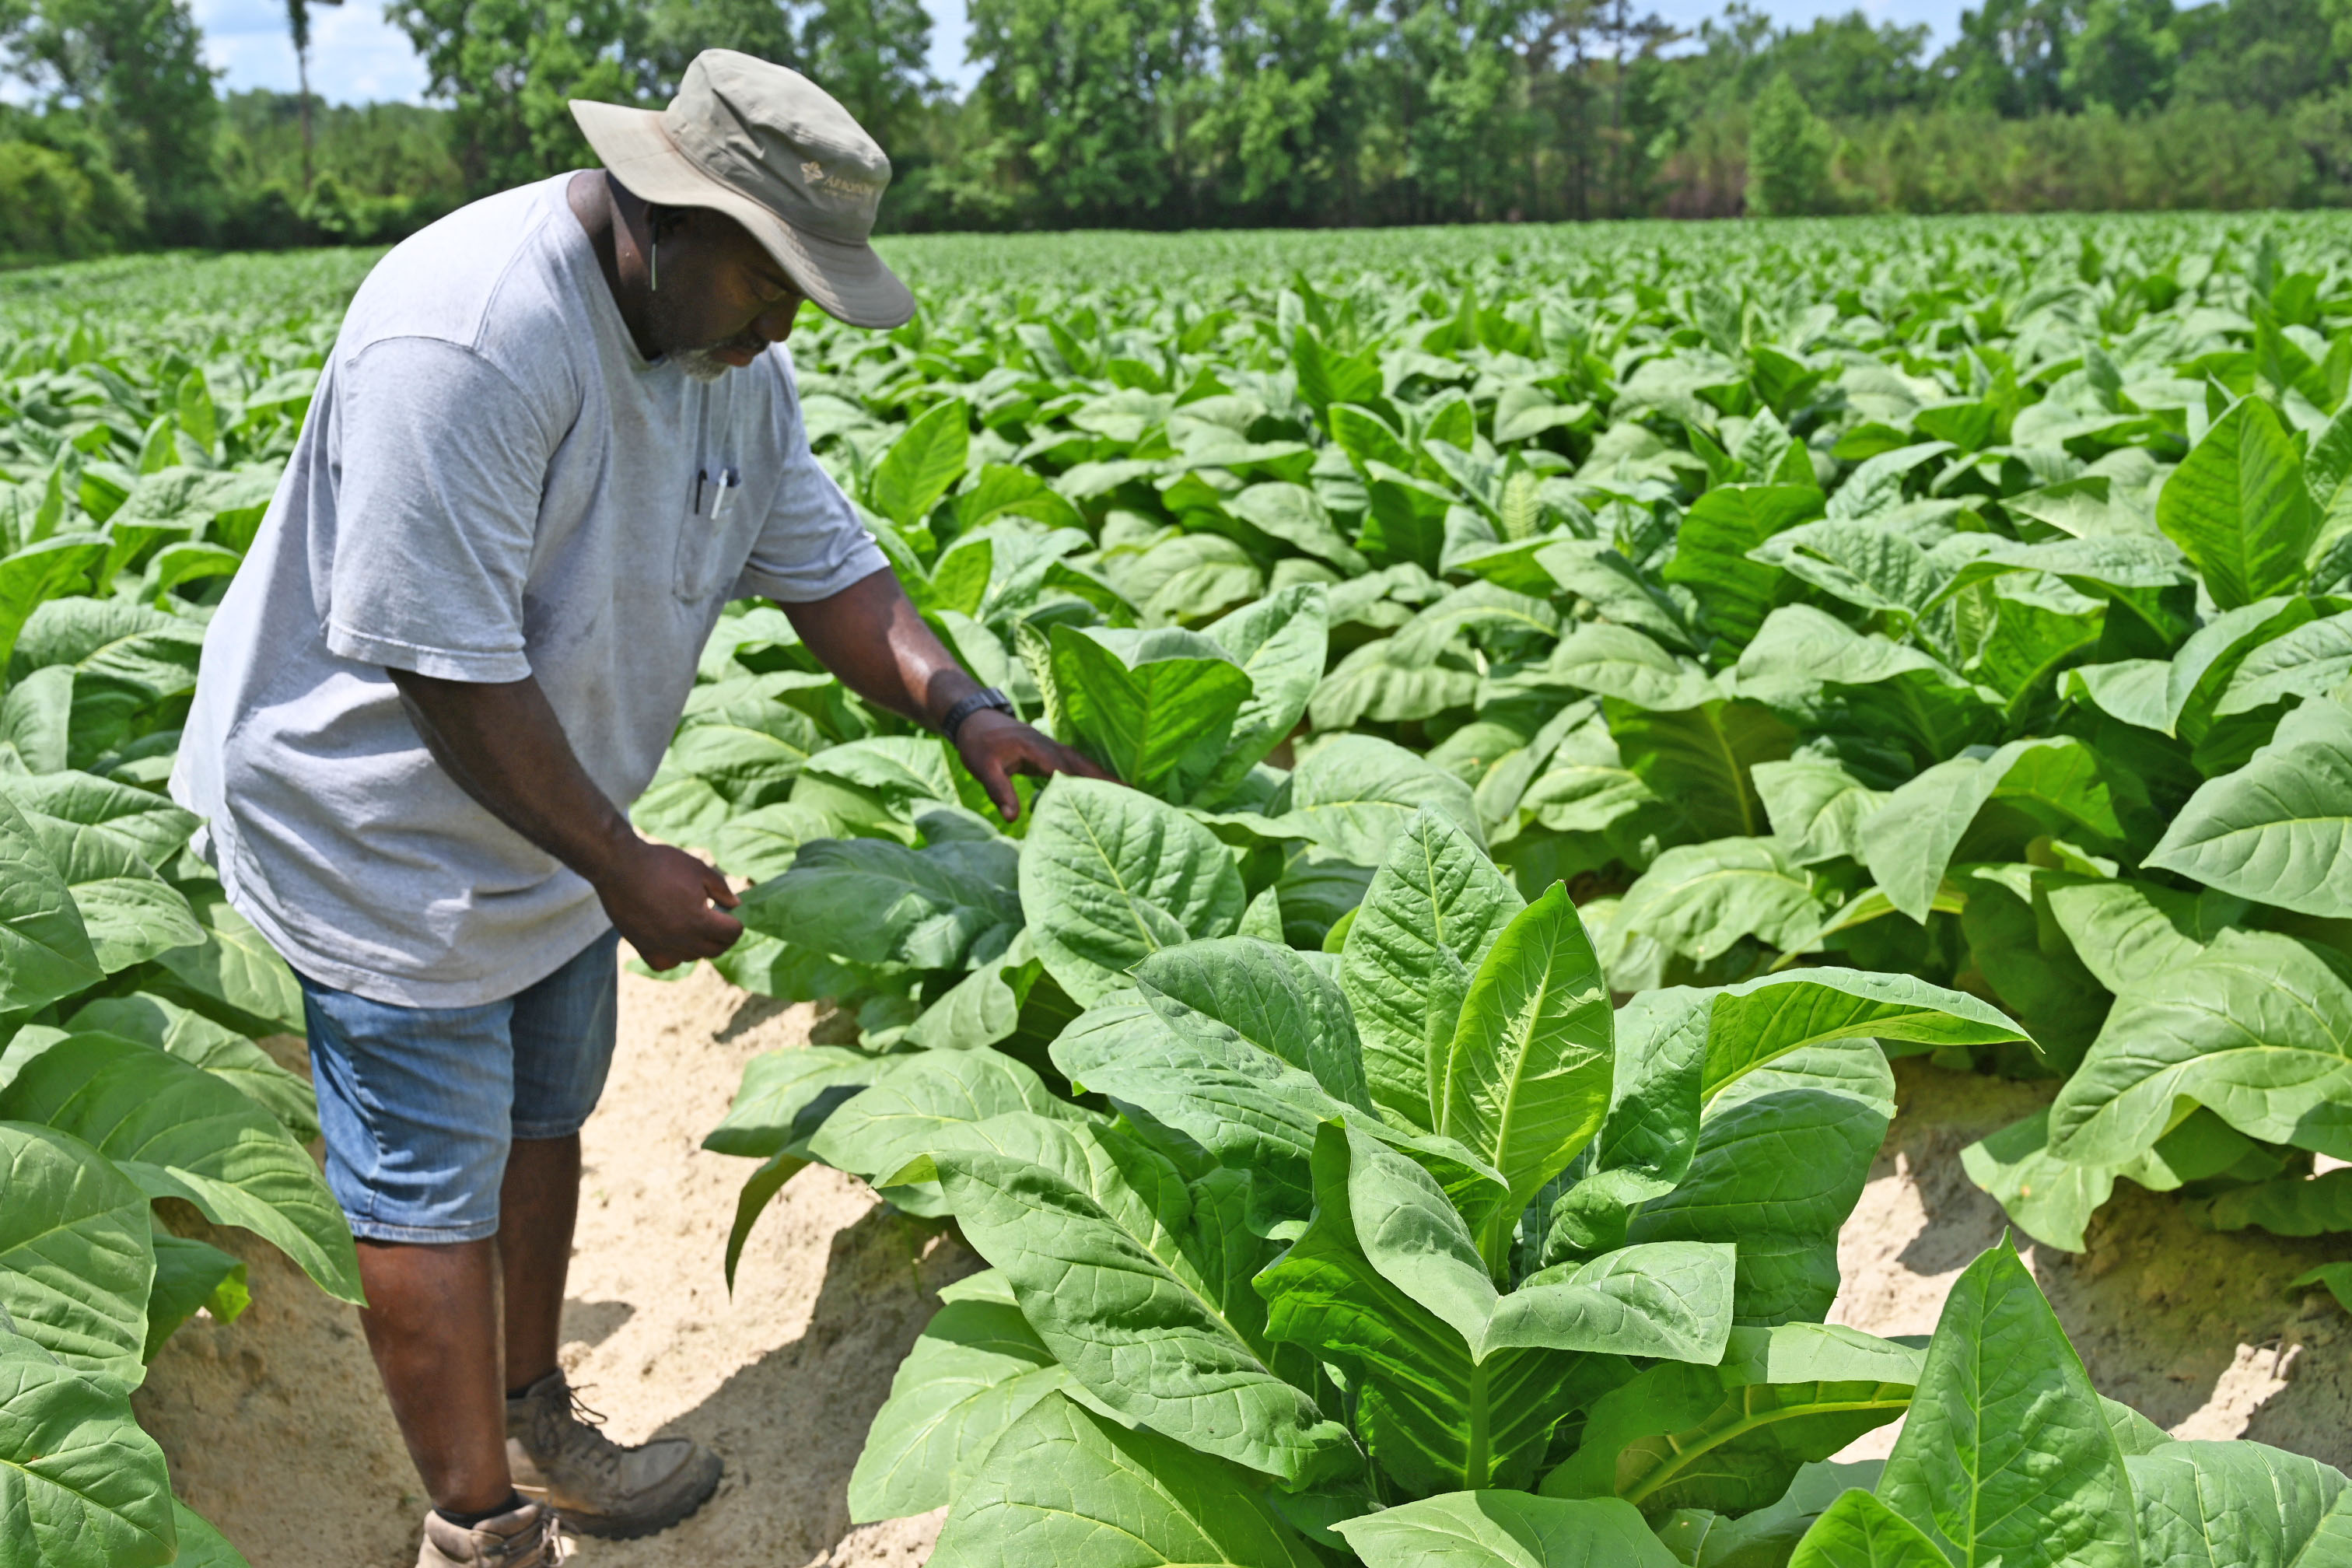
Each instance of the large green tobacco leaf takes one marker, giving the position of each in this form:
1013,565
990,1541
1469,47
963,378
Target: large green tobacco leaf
2201,672
1765,1537
1655,1301
913,1100
2279,829
1781,1158
1506,1529
1823,674
1816,807
1065,1488
1618,661
235,965
2126,931
1646,1142
45,949
879,786
79,1483
131,913
977,1368
2037,633
1269,995
1477,608
1619,593
1296,516
2052,1199
1712,553
39,573
787,1095
1759,1021
1139,1325
871,900
220,1051
1279,642
2238,509
1156,708
1386,1281
2285,1206
1699,899
1354,794
928,456
1245,1106
1405,522
1111,877
1699,758
75,1258
180,1132
2309,661
191,1276
1910,841
1877,569
985,1006
1730,1438
146,823
1526,1080
1432,909
2240,1505
750,752
202,1546
1860,1532
37,721
2006,1454
1377,682
2258,1027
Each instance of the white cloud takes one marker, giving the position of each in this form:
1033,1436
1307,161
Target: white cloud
356,55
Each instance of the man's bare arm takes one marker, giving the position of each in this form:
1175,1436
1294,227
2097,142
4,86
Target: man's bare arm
504,745
873,637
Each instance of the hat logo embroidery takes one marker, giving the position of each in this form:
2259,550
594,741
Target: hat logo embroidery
831,184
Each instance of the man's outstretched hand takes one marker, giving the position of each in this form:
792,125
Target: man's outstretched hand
996,745
660,898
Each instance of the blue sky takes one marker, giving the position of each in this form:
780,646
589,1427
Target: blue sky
356,55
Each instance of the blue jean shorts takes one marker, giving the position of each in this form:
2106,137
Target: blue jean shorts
419,1104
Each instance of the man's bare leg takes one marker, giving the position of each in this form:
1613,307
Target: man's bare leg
432,1320
538,1205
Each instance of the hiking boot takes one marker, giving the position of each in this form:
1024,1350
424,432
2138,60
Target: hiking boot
522,1537
600,1488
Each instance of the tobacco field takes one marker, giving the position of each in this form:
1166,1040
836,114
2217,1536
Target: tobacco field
1587,699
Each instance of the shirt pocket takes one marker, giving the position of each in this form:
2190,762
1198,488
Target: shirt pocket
716,536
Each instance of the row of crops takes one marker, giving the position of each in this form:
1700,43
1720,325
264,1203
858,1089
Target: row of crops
1586,700
133,1098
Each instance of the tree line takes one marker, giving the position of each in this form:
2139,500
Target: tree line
1188,113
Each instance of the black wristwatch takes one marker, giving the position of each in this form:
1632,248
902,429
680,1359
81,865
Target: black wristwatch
986,696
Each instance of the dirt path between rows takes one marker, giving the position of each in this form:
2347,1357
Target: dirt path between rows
277,1431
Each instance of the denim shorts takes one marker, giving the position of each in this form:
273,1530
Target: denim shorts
419,1104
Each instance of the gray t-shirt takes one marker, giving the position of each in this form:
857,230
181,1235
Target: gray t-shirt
492,483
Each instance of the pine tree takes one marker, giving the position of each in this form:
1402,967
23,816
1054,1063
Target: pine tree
1790,151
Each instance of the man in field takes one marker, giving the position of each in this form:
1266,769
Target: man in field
556,435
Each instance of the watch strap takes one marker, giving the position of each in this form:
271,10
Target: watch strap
987,697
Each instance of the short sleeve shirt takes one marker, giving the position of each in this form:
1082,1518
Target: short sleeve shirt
491,484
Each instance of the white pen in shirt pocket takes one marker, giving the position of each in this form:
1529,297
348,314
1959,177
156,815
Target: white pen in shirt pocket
715,482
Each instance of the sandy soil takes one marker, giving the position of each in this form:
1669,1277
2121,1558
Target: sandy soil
277,1431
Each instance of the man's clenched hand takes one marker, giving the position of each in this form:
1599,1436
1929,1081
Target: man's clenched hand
660,898
995,746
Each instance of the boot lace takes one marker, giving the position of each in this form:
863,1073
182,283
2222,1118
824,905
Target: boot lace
540,1546
579,1430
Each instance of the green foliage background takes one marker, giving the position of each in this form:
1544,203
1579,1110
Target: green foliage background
1086,113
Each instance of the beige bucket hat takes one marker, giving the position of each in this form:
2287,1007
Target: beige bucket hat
772,150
